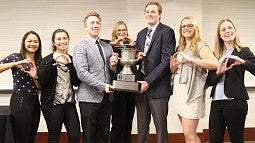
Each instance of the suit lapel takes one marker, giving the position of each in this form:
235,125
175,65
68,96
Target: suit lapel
95,50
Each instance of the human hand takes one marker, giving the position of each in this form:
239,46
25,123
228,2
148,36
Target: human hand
109,89
62,59
144,86
183,57
23,64
32,70
236,60
118,41
233,60
174,62
130,41
140,55
222,67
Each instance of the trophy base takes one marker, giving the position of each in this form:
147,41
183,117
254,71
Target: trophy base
126,86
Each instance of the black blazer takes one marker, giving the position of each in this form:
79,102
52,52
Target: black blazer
234,78
156,62
47,75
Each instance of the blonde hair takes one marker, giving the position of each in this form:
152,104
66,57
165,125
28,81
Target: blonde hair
115,29
195,39
92,13
219,43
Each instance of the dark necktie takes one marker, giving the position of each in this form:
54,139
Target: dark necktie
100,50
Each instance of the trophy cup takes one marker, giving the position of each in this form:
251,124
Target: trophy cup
126,79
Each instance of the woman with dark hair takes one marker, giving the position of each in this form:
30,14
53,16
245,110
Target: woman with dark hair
229,106
57,76
24,102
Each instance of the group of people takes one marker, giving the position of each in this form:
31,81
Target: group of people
164,69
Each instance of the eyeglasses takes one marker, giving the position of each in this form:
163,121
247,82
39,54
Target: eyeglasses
122,30
187,26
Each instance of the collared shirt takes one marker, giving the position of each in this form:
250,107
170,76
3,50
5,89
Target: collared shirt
153,28
219,91
94,42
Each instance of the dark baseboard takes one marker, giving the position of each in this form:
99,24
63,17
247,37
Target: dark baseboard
173,137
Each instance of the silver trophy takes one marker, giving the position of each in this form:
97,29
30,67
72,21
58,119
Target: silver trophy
126,79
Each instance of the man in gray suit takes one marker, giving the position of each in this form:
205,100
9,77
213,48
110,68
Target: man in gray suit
94,60
157,44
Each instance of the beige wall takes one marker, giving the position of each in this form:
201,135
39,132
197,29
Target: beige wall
44,16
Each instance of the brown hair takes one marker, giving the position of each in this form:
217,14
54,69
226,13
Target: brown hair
219,43
54,48
154,3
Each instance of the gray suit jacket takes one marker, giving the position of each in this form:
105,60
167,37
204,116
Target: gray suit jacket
92,72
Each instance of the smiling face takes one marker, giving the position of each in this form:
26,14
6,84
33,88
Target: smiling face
93,26
152,15
227,32
121,31
187,29
31,43
61,42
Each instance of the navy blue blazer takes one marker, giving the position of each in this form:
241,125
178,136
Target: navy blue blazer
234,78
156,62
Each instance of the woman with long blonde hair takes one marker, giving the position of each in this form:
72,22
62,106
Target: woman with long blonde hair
189,68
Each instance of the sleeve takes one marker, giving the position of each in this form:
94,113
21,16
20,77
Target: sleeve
73,74
11,58
46,71
212,78
249,58
80,60
200,45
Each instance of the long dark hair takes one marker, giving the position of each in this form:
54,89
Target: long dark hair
38,53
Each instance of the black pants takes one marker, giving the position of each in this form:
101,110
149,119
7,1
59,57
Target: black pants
25,109
230,114
95,120
59,114
123,108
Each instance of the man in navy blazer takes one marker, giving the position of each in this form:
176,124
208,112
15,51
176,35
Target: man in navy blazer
154,74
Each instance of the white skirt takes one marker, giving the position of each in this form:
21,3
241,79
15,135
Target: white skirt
192,110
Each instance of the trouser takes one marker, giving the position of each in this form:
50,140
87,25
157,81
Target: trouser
123,108
59,114
230,114
25,109
95,120
158,108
